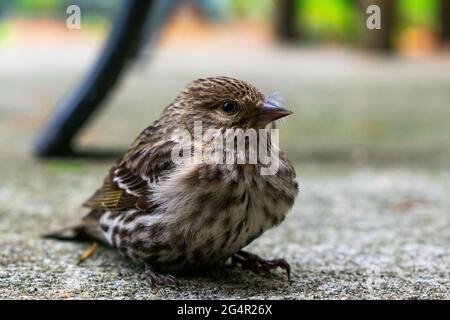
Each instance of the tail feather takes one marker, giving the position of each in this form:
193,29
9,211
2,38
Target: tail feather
88,230
76,233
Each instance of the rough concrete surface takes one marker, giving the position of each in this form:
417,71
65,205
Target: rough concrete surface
359,230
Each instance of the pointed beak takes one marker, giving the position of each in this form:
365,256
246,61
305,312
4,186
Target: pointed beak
269,112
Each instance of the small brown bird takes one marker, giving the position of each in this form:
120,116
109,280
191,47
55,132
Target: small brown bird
174,216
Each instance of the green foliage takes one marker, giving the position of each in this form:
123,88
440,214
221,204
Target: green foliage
36,6
329,19
418,12
3,31
334,19
251,8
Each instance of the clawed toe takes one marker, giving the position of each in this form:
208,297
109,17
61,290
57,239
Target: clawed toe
277,263
258,265
157,280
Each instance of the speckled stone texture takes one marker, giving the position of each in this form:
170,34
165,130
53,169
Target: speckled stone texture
370,145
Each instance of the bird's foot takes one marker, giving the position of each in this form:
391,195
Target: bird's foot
258,265
157,280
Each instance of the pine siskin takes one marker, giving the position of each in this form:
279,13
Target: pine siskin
180,215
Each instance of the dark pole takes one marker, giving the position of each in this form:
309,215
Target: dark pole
286,20
445,20
73,112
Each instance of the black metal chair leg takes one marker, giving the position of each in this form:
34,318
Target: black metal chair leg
122,44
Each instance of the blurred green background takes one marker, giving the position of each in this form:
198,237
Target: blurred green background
335,19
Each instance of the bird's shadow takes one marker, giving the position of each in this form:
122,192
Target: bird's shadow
222,280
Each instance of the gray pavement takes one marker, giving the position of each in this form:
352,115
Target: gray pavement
370,141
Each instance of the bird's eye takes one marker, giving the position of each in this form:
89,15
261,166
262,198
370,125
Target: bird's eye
229,107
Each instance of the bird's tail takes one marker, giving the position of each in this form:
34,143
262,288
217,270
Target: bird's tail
75,233
87,230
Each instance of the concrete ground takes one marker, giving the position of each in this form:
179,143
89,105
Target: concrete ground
370,141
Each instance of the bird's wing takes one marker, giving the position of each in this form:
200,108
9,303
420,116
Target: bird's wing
129,182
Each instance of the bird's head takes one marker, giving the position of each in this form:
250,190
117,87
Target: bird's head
224,102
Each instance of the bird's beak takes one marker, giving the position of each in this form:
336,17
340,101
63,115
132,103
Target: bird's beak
269,112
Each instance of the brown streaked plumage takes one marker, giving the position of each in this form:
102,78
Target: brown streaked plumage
175,216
